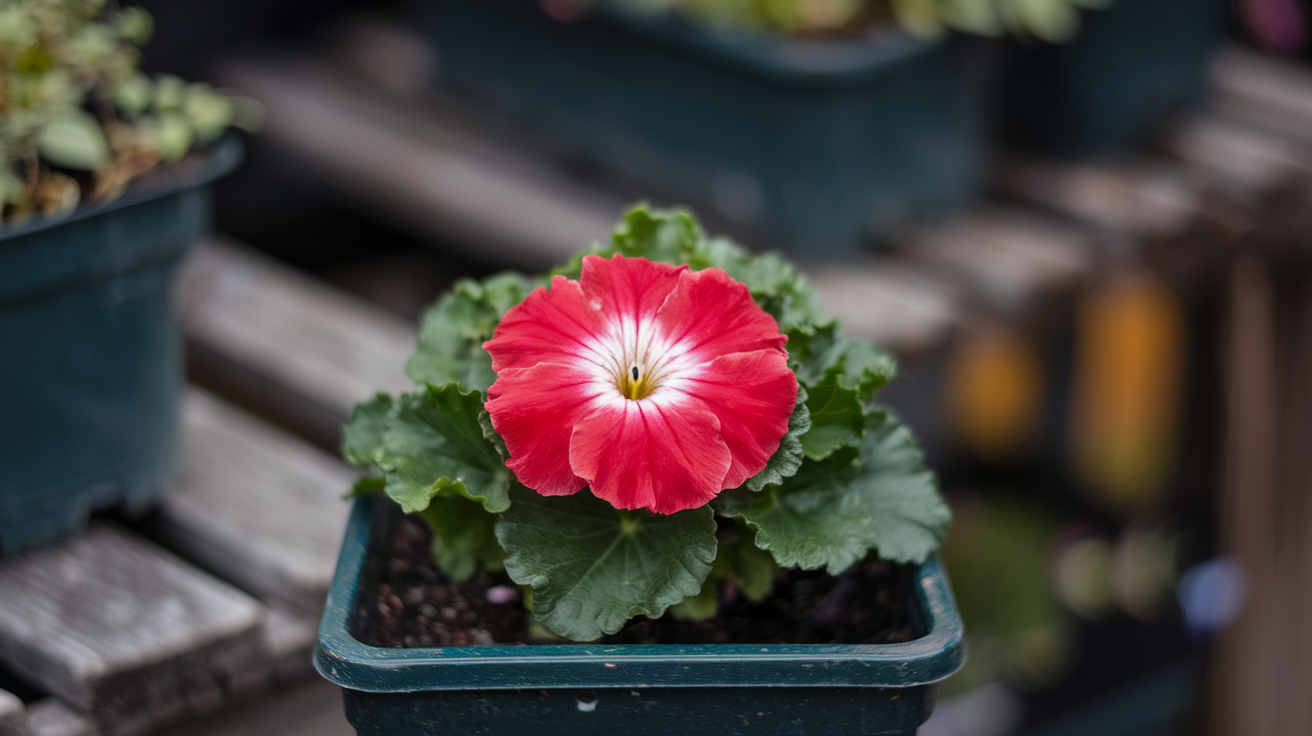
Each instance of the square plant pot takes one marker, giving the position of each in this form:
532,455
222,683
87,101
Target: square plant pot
91,375
761,689
820,146
1132,64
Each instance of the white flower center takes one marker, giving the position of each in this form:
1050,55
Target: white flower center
636,360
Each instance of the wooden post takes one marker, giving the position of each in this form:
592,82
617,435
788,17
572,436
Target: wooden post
1243,680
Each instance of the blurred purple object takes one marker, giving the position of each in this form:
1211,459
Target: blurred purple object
1276,25
1212,594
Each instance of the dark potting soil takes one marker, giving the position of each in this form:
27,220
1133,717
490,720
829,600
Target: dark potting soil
414,604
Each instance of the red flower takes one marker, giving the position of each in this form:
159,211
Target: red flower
655,385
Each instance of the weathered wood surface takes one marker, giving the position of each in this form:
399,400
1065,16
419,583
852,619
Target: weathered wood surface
255,505
126,632
901,306
1263,92
422,165
1135,194
295,350
1007,257
312,708
49,717
13,716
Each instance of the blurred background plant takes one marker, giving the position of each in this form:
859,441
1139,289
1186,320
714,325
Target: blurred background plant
1053,21
78,120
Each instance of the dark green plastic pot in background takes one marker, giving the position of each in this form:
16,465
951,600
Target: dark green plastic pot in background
91,370
634,690
821,146
1131,65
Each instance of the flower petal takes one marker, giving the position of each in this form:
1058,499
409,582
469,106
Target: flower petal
752,394
629,288
663,455
533,409
711,315
549,326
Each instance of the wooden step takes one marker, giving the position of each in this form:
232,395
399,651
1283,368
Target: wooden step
125,632
295,350
420,165
1266,93
1006,258
49,717
901,306
13,716
257,506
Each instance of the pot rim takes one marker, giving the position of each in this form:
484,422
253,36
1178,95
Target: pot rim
222,158
349,663
841,61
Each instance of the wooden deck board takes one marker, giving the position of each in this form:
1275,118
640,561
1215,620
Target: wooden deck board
294,350
49,717
1007,257
432,171
13,716
901,306
256,506
123,630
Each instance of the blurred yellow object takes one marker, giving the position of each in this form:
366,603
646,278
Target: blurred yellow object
1129,361
994,393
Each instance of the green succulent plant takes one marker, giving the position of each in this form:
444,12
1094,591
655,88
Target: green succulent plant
1048,20
78,119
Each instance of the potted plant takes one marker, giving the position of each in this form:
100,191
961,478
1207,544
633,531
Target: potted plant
1132,63
92,233
672,429
820,136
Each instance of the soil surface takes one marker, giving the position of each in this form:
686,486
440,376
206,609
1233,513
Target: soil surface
416,605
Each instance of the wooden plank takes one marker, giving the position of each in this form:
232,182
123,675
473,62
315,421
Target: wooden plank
1244,682
1135,195
422,165
295,350
124,631
13,716
1008,257
900,306
256,506
49,717
310,709
1239,157
1264,92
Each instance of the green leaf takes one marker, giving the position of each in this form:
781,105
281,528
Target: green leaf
135,24
464,537
73,139
836,419
208,111
367,486
170,93
593,567
788,458
433,444
453,331
173,136
857,363
490,434
833,512
133,95
362,435
738,560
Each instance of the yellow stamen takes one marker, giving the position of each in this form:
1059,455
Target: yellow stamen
635,385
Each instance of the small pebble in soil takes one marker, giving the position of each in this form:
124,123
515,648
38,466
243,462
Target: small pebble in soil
416,605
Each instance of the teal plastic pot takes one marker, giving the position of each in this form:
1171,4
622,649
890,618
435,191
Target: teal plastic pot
821,146
1132,65
635,690
91,375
